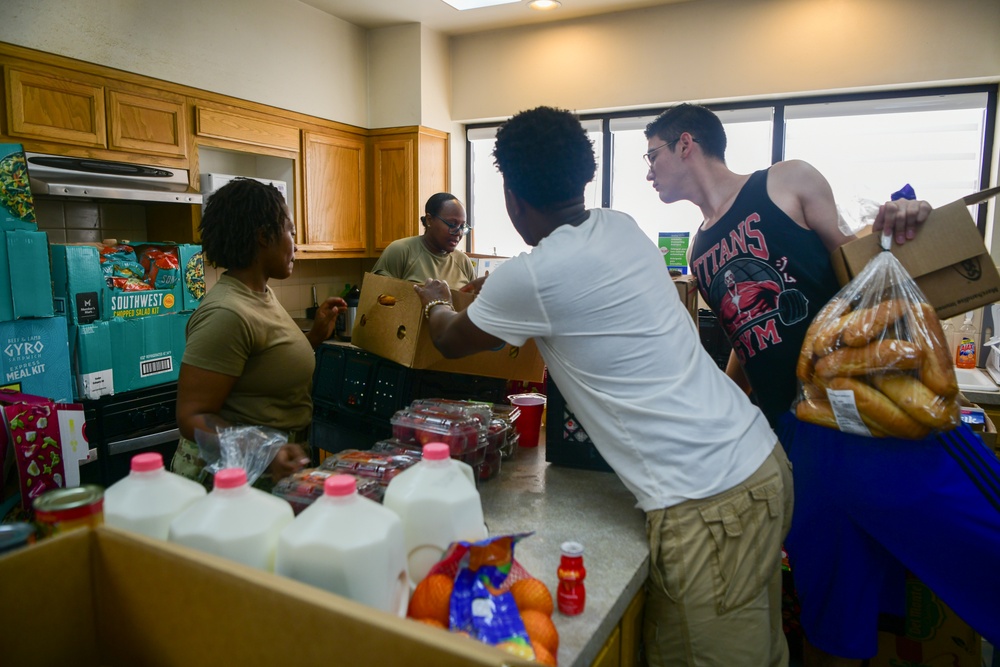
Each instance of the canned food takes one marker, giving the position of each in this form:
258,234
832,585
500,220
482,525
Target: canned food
15,535
59,510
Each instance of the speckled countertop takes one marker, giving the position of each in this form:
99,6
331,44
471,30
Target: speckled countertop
562,504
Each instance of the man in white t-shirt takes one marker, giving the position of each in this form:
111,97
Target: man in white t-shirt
705,467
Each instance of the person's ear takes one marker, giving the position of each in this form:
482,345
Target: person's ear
515,205
423,221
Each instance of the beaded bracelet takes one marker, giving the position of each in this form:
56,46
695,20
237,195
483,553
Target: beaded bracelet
436,302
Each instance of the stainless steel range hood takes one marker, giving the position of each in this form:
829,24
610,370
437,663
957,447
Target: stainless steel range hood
61,176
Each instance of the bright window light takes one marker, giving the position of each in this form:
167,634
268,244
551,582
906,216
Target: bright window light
462,5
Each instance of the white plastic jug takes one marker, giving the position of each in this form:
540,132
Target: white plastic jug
234,521
438,503
149,498
349,545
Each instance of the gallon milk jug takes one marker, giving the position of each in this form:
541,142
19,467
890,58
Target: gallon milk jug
438,504
149,498
348,545
235,521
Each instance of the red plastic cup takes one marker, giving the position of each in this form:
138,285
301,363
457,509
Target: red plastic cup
529,422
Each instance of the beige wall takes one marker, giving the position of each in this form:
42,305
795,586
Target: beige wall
277,52
710,50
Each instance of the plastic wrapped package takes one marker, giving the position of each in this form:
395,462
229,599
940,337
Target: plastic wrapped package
461,433
381,466
482,412
507,414
875,361
302,488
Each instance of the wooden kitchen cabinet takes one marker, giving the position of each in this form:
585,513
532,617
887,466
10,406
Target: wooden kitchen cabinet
409,164
68,108
624,646
334,193
245,128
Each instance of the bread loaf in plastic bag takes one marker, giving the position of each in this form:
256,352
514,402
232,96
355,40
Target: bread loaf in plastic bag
875,361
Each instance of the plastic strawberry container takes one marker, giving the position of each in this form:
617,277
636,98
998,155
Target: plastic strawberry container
461,433
380,466
302,488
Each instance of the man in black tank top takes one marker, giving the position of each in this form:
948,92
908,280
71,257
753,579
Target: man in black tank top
762,259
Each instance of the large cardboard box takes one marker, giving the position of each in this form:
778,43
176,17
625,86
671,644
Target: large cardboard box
687,289
102,596
399,332
931,635
947,259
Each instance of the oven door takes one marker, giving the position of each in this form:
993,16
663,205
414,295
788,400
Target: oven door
119,427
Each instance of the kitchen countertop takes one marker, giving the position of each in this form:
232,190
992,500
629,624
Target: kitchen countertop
564,504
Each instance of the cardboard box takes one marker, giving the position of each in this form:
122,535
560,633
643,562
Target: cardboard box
102,596
399,332
35,358
83,296
932,635
687,289
947,259
122,355
17,206
25,280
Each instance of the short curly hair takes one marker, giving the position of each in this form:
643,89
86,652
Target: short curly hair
545,156
234,216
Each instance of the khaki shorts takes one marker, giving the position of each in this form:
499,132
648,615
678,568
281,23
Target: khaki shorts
714,588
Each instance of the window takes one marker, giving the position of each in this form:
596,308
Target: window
867,145
493,233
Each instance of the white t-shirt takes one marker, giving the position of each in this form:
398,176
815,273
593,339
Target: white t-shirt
599,302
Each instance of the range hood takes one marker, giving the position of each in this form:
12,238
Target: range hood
86,178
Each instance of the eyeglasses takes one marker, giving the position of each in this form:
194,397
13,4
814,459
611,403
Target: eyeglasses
648,156
453,229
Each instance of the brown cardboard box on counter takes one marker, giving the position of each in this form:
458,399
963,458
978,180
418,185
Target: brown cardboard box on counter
687,289
947,259
395,328
108,597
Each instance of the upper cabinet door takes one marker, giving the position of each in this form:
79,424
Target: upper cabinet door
334,193
245,128
154,123
48,107
394,184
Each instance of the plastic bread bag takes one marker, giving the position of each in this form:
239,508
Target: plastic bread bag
875,361
249,447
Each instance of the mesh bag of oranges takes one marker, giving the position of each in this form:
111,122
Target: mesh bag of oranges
480,590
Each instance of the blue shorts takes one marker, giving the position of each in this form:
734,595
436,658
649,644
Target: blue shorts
867,509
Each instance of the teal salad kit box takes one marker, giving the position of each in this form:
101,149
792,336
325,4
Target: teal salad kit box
35,358
17,207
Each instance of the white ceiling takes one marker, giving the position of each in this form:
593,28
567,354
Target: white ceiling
443,18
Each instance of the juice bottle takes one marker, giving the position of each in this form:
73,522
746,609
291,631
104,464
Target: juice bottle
438,503
348,545
571,596
149,498
968,342
234,521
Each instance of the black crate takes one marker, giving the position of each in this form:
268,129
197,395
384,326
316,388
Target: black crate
566,443
334,430
713,338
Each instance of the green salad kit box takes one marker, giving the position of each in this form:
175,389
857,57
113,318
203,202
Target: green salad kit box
17,207
94,282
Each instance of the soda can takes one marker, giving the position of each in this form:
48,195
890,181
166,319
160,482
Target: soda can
59,510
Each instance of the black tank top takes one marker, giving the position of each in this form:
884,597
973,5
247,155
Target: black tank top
765,277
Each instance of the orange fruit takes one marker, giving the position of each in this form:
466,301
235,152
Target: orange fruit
431,622
431,599
541,630
542,655
532,594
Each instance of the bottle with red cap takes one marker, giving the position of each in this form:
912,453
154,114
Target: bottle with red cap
234,520
349,545
437,501
149,497
571,595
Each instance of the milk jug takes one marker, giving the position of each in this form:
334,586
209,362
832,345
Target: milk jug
235,521
349,545
438,503
149,498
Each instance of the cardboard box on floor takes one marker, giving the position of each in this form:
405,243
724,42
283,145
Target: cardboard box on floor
108,597
947,259
399,332
932,635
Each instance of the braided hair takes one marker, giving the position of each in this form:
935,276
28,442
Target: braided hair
234,217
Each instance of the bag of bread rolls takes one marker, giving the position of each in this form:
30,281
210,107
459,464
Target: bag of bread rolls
875,361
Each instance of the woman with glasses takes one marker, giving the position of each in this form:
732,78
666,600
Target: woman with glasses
435,253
